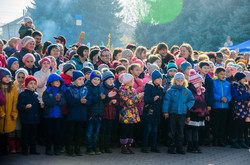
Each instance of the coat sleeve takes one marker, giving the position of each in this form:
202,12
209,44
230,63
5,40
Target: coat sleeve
47,99
62,101
237,96
14,112
128,100
70,99
191,100
148,98
229,96
41,79
166,102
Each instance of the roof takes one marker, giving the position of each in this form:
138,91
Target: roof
16,21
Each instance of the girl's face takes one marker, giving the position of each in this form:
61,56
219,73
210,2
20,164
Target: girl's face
158,81
6,79
179,82
186,72
131,83
196,56
53,63
172,73
20,78
144,55
30,46
158,63
95,58
87,75
163,52
136,71
29,24
29,62
31,85
70,72
79,82
211,68
110,81
118,56
46,65
14,66
55,52
184,52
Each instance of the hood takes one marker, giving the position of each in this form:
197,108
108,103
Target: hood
178,87
55,77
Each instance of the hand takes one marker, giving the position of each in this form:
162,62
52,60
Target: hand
156,98
42,105
83,100
112,94
28,106
209,108
103,96
224,99
58,97
165,115
188,119
113,101
207,118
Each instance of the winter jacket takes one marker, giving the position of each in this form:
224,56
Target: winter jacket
138,89
3,61
152,109
30,115
9,50
67,79
25,31
166,82
221,89
52,107
178,100
32,70
77,61
9,110
208,85
128,100
146,78
240,98
101,62
117,84
76,110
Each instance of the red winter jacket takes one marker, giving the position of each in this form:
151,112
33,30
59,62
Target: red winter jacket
3,61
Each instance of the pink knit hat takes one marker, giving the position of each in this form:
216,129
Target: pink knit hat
45,59
27,56
135,60
180,60
125,78
232,69
195,79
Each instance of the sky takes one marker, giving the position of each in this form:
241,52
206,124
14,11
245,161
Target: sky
12,9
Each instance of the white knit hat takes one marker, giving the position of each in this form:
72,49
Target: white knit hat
26,40
27,19
125,78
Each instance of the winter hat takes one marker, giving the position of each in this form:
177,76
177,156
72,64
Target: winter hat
125,78
93,53
60,67
100,67
247,75
135,60
51,47
44,59
27,56
195,79
28,79
180,60
21,70
80,49
178,76
232,69
239,75
55,77
153,58
184,66
171,66
95,73
89,64
67,67
77,74
126,52
27,19
106,75
86,70
26,40
152,67
11,60
4,72
155,75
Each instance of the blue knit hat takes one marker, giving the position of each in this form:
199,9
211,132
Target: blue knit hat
239,75
77,74
178,76
55,77
50,48
106,75
95,73
4,72
11,60
184,66
171,66
155,75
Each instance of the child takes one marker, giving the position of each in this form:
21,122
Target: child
20,77
54,100
29,61
240,98
86,71
8,111
211,69
95,110
129,115
78,99
176,111
13,66
171,71
222,95
197,114
118,71
152,111
42,77
54,68
27,27
149,71
29,109
68,69
185,68
219,60
109,112
124,62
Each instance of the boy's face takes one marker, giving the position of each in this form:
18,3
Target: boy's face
171,73
15,66
179,82
204,70
29,62
158,81
125,64
69,72
87,75
20,78
219,60
221,75
38,39
56,83
95,81
6,79
110,81
79,82
58,41
31,85
55,52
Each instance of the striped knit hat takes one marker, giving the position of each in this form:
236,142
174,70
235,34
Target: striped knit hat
195,79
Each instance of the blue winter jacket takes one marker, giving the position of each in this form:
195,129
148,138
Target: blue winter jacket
221,89
77,61
208,85
178,100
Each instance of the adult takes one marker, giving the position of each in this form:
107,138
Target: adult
37,35
186,51
11,46
104,58
132,47
61,40
28,46
1,49
228,42
81,56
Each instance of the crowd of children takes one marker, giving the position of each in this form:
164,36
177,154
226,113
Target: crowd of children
65,98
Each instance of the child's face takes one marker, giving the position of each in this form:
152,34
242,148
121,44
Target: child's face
211,68
105,57
14,66
87,75
95,58
125,64
131,83
212,60
121,72
204,70
221,75
96,81
179,82
86,53
136,71
110,81
158,63
158,81
55,52
196,56
20,78
31,85
118,56
46,65
53,63
172,73
70,72
129,58
29,24
219,60
186,72
228,73
79,82
163,52
56,83
29,62
6,79
242,81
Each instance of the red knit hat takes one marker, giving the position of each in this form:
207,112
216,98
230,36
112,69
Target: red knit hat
180,60
28,79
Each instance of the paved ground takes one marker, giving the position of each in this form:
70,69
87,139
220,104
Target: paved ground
210,155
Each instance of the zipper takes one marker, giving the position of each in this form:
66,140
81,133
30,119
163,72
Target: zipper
222,93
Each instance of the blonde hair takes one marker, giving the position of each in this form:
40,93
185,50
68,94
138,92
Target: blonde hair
139,50
203,57
173,82
12,41
222,50
229,60
190,50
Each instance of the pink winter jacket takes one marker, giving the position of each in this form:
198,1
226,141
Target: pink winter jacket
138,89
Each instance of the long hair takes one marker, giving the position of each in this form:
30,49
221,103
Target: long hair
139,50
9,86
190,50
159,47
